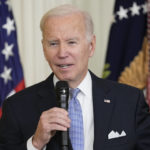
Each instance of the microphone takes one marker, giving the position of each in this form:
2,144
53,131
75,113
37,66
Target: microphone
62,95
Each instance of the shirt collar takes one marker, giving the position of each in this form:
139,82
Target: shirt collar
55,80
86,85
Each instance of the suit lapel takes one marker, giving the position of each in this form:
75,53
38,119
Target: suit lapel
46,95
102,111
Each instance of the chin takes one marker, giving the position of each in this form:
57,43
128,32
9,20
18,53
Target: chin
64,76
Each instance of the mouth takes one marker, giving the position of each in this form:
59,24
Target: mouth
64,66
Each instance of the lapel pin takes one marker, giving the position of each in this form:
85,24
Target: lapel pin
106,101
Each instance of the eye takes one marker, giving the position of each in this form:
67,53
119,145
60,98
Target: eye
53,43
72,42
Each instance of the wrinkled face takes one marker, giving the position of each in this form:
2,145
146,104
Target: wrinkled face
66,47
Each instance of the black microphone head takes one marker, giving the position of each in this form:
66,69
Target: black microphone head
62,94
62,87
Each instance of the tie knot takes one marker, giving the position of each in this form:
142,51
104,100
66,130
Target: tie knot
74,92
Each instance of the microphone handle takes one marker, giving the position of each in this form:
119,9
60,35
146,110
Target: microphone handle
65,148
64,134
64,140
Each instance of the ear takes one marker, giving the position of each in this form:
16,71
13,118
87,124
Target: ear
42,41
92,46
44,51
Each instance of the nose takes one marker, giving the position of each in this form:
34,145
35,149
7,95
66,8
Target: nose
62,52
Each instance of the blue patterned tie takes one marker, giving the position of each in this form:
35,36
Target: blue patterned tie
76,131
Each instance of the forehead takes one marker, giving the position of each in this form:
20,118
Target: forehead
69,23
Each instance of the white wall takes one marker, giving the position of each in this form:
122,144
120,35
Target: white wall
28,14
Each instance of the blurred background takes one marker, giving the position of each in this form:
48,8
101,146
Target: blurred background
27,14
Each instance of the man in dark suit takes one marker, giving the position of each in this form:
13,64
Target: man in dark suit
115,116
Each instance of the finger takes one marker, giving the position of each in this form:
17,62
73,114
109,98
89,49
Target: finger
58,113
56,109
55,112
57,127
60,121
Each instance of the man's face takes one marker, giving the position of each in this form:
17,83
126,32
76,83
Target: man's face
66,47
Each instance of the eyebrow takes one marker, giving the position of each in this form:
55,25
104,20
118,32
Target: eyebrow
69,39
52,40
75,38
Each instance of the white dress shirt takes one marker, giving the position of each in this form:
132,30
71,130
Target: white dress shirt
86,101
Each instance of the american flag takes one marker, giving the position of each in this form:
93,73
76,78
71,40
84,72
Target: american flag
11,73
125,54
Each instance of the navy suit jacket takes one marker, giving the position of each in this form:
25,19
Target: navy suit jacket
117,108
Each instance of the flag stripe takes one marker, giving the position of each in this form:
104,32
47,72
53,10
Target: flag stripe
20,86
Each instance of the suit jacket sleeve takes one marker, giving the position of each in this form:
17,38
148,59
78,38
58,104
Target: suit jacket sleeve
10,135
142,124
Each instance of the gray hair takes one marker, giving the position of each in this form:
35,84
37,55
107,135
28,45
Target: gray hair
68,9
